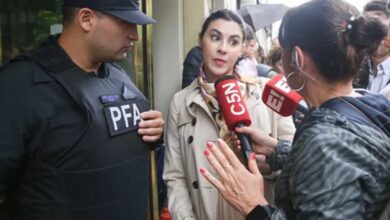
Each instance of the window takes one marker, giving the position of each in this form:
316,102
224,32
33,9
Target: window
25,24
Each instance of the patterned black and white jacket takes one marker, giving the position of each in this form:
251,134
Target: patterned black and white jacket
338,166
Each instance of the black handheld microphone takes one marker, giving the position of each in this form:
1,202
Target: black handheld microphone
266,71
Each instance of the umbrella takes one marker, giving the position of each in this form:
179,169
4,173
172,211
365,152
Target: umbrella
263,15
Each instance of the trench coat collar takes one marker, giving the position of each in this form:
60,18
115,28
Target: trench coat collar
195,97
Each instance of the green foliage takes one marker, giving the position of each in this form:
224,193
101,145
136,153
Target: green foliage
45,18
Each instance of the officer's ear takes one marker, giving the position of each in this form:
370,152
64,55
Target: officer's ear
86,19
387,42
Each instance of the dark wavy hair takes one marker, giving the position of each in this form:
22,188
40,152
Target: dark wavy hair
334,34
225,14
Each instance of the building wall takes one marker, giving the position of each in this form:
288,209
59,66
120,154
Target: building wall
194,15
167,51
174,34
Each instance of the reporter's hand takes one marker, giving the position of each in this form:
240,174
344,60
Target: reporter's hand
262,142
243,189
264,168
151,126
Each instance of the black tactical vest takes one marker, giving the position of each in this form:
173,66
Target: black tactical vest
92,165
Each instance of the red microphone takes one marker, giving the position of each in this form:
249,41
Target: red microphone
278,96
234,110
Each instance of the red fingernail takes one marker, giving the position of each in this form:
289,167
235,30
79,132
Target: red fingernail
202,171
209,145
206,152
253,156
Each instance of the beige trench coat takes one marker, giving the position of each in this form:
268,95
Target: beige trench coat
189,128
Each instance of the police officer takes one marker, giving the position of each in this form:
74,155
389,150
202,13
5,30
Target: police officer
75,132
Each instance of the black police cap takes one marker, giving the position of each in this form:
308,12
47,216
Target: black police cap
124,9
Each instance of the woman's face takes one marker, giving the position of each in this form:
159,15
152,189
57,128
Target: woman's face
221,45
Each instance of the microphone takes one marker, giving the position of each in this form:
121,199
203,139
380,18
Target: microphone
265,71
278,96
234,110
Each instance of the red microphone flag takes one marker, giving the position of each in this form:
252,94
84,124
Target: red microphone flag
278,96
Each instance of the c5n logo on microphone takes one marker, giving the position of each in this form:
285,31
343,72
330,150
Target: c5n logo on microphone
233,97
275,100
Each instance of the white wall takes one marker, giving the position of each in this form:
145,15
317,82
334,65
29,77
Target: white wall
194,15
167,51
228,4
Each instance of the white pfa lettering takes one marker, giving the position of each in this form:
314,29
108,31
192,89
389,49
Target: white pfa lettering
136,114
282,85
240,112
116,116
125,114
275,101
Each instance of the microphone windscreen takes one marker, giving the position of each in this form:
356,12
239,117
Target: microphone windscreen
265,71
231,102
278,96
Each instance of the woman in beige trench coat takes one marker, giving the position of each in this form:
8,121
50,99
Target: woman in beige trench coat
194,120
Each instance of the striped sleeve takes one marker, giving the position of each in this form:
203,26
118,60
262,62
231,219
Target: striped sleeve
279,158
325,179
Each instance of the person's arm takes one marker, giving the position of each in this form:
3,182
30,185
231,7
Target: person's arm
279,157
323,185
325,179
179,202
285,130
13,136
276,151
242,188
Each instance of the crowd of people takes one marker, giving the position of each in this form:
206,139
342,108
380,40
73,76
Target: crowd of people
76,133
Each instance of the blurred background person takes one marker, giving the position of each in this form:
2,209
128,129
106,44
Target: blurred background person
338,166
374,73
260,54
247,64
274,59
250,44
191,66
195,118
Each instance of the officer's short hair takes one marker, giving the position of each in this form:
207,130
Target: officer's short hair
68,14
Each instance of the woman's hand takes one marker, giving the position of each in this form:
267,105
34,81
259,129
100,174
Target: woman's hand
262,142
243,189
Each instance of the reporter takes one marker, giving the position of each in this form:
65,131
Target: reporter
337,166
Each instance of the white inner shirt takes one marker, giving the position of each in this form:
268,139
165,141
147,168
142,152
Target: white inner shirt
378,83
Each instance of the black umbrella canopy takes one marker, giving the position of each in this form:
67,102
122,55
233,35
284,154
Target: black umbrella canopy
263,15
